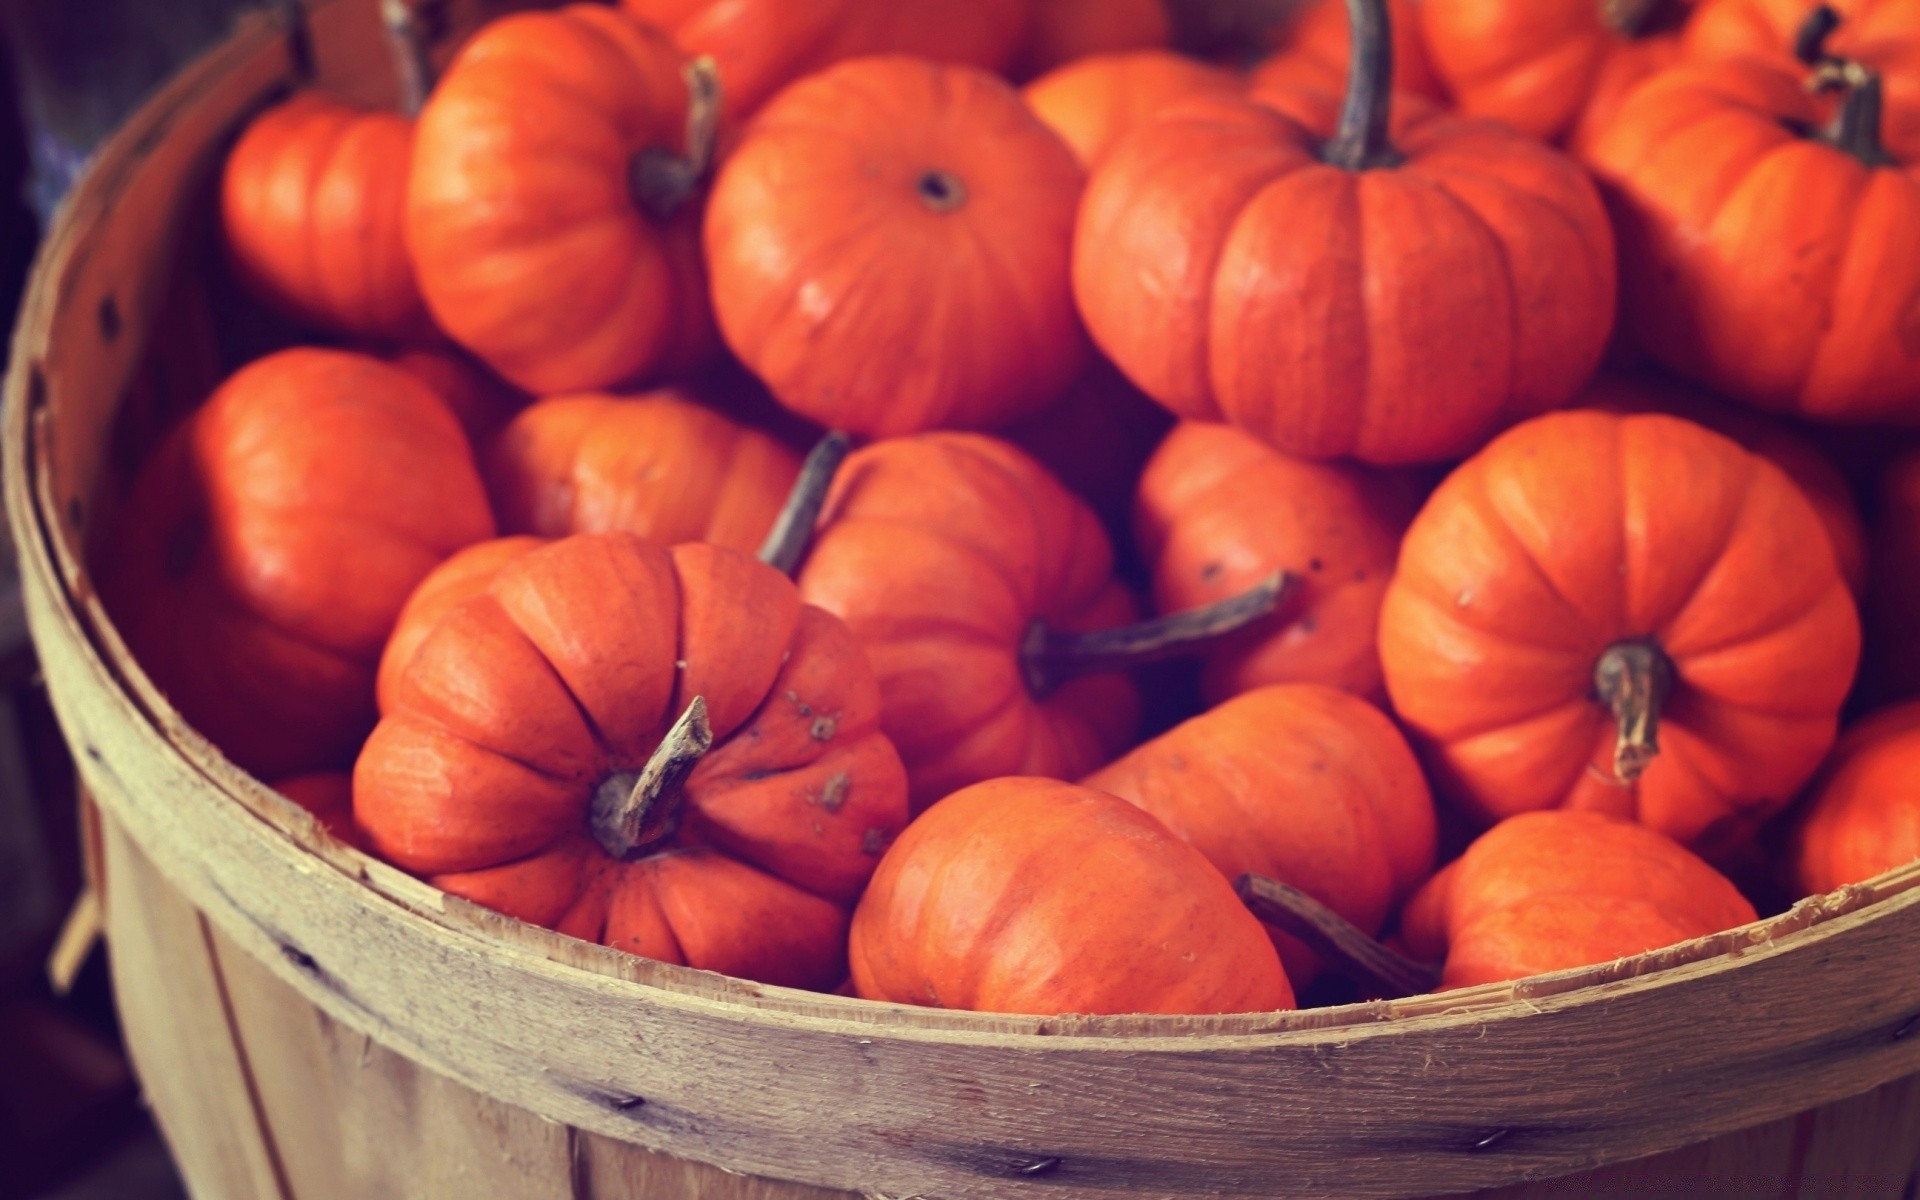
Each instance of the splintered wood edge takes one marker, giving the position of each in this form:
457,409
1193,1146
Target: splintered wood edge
52,561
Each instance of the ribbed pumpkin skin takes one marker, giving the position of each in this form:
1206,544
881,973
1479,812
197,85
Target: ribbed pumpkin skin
1882,34
266,549
658,466
460,578
1864,816
565,667
1032,896
313,206
1094,102
530,247
1314,50
1534,64
1218,511
1553,891
1774,268
1581,531
1066,31
1395,316
864,303
761,46
940,552
1303,784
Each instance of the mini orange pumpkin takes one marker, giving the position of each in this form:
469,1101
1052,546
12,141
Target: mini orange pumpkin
1094,102
1302,784
889,249
529,757
267,548
1864,817
659,466
1622,613
1553,891
1217,511
1031,896
547,208
313,205
1065,31
1537,64
1765,252
761,46
1315,48
1395,300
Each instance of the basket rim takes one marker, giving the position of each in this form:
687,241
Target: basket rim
47,562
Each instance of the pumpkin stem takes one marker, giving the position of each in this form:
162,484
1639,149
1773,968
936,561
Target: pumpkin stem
662,181
1857,130
1634,679
412,27
1051,658
1361,142
1335,938
792,532
634,812
1628,18
1810,43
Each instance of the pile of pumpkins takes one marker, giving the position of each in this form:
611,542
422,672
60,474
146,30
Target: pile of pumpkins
749,483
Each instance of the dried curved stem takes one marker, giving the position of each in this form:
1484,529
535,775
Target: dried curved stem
1634,679
1361,142
636,811
1335,938
1050,658
660,180
787,543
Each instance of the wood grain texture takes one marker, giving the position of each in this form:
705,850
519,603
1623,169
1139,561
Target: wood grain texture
1482,1088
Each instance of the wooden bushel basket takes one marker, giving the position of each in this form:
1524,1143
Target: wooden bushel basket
313,1024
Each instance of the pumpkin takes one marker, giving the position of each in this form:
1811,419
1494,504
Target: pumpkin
313,203
1629,614
1767,252
1892,670
1819,479
481,401
1620,73
662,750
1094,102
329,797
461,577
1299,783
267,548
984,594
1218,510
1881,34
1033,896
1537,64
1314,49
1863,819
1096,440
1065,31
1394,299
659,466
1550,891
889,250
761,46
547,208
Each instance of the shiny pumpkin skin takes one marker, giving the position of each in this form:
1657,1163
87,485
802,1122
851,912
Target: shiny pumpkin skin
1551,891
461,577
1218,511
761,46
1094,102
940,552
1302,784
267,547
1771,267
1863,818
659,466
889,250
1395,316
565,669
1034,896
1316,45
530,247
1582,531
1066,31
1534,64
312,209
1882,34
